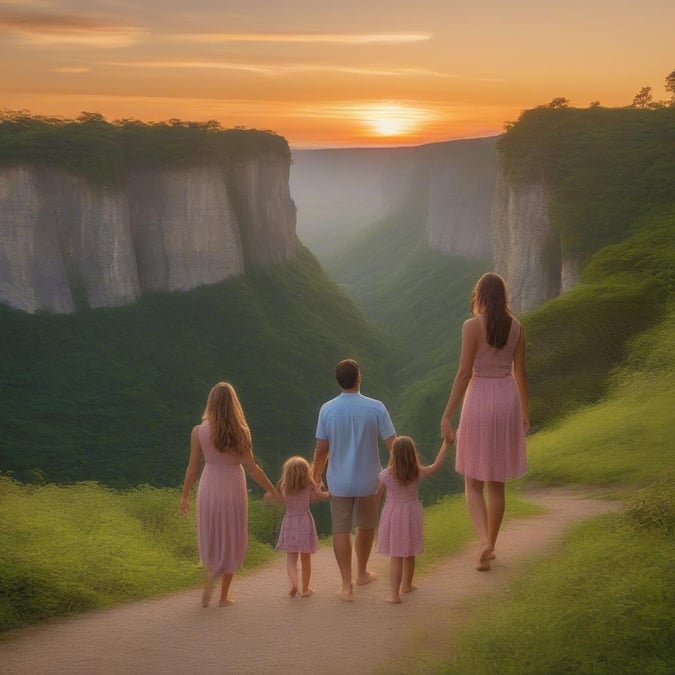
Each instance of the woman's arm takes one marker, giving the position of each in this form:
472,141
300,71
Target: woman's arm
258,475
462,377
520,375
192,470
426,471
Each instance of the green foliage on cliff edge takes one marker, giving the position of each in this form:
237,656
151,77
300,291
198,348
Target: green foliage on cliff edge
104,152
604,168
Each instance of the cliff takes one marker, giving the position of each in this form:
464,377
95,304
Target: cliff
68,243
349,190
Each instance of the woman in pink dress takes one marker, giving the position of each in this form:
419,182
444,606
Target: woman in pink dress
298,531
401,530
494,418
223,439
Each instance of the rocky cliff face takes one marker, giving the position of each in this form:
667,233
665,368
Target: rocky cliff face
66,244
348,190
525,250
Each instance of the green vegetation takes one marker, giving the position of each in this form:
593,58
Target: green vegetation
605,169
420,298
112,394
70,548
105,151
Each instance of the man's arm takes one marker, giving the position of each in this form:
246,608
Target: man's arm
320,459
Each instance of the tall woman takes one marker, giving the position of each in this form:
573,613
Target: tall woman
223,439
494,418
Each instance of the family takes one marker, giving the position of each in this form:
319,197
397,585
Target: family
491,386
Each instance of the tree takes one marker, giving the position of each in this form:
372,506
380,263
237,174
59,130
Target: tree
559,102
643,98
670,86
595,104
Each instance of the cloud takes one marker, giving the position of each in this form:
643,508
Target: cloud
63,29
279,69
321,38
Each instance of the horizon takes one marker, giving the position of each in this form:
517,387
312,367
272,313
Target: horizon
386,74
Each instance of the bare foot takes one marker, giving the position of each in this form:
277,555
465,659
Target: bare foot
484,558
409,590
307,592
293,592
393,599
206,593
345,594
492,555
225,603
362,581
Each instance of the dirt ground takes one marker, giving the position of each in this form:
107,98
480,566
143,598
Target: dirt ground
268,632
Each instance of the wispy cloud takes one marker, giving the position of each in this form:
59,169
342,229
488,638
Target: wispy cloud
64,29
321,38
75,70
270,69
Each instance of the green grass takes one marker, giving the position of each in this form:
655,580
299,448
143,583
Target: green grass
603,602
71,548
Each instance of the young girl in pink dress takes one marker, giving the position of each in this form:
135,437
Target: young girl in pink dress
223,440
492,380
298,531
401,531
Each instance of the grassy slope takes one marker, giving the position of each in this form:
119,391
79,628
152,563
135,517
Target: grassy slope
112,394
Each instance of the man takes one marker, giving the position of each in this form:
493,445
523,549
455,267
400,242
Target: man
347,437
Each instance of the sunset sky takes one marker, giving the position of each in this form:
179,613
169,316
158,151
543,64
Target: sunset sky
325,74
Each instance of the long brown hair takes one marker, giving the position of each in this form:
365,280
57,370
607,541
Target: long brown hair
489,297
229,430
296,475
403,462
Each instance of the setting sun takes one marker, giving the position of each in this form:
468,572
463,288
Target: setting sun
389,119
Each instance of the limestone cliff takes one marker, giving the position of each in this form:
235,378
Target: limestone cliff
66,244
526,252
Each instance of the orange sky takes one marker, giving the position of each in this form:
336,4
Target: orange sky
331,73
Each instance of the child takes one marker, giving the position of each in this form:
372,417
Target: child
298,530
401,532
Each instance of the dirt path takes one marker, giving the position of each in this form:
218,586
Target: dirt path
267,632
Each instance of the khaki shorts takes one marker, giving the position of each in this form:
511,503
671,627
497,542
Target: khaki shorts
350,512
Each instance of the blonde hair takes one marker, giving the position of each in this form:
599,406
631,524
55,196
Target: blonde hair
403,461
296,475
229,430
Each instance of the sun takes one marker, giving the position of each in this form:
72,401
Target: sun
393,120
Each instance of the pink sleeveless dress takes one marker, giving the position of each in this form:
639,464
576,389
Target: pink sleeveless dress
401,530
298,530
222,509
490,436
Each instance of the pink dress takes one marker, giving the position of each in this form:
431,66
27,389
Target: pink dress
401,531
298,530
490,436
222,509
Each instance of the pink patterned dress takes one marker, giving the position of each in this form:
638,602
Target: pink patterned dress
222,509
401,530
298,530
490,436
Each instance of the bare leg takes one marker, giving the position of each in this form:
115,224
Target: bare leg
363,545
225,590
342,547
306,564
407,585
475,501
495,514
395,576
209,584
292,571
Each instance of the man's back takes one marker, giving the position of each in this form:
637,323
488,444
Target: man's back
353,424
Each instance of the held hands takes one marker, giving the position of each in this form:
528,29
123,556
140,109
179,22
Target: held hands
447,432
